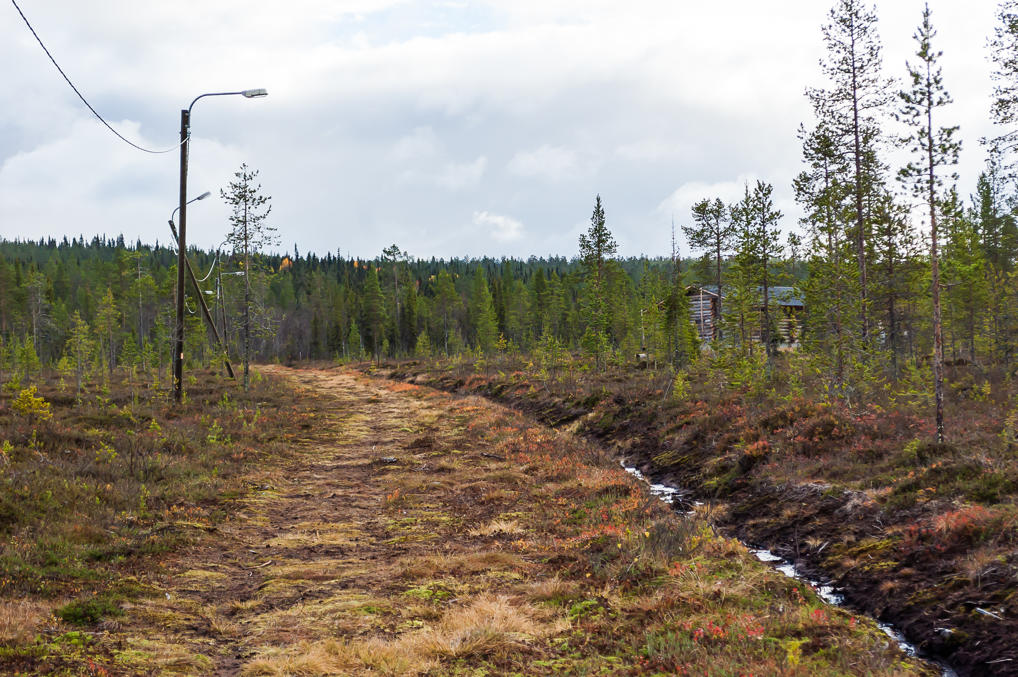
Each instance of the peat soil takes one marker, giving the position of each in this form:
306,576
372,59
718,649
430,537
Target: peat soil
839,536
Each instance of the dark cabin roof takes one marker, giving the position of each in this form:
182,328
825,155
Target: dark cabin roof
783,296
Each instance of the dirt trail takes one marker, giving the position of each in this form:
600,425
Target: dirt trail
307,543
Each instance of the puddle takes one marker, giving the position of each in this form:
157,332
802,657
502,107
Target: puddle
829,594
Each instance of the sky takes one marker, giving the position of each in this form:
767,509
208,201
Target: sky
452,128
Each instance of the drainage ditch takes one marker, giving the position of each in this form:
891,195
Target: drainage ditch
678,498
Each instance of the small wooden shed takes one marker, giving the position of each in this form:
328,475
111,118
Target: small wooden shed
704,312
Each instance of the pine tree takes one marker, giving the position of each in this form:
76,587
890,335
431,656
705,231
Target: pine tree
538,303
1003,48
714,233
895,246
107,321
933,149
757,242
38,307
998,235
831,282
850,111
392,255
966,296
249,234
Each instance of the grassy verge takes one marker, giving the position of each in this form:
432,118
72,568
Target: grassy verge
98,486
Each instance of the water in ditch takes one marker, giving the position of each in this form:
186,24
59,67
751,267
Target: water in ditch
827,593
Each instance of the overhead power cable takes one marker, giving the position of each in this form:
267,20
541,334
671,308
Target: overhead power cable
80,96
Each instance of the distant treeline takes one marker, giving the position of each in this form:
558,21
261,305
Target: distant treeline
316,307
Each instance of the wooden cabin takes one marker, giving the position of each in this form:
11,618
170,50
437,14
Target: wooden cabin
789,307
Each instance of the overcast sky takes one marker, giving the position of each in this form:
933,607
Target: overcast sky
452,128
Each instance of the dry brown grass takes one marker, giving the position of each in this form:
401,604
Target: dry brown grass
309,534
20,620
339,563
487,626
304,660
460,564
553,588
499,526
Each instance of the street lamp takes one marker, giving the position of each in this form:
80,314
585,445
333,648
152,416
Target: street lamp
185,137
173,226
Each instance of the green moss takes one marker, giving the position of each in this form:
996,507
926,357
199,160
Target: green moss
428,593
587,607
88,611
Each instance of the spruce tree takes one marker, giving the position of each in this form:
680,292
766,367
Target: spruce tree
597,248
482,313
447,306
373,313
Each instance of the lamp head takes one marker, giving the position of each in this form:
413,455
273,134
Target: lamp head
254,93
203,195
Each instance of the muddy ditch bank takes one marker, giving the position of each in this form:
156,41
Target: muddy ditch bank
954,611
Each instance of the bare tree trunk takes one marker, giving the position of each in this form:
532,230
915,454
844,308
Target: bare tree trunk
247,305
716,328
938,331
860,241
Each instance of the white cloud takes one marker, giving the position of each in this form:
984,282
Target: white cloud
682,199
501,228
551,163
653,150
457,176
421,142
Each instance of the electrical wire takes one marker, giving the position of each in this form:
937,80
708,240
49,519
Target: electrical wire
80,96
214,262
